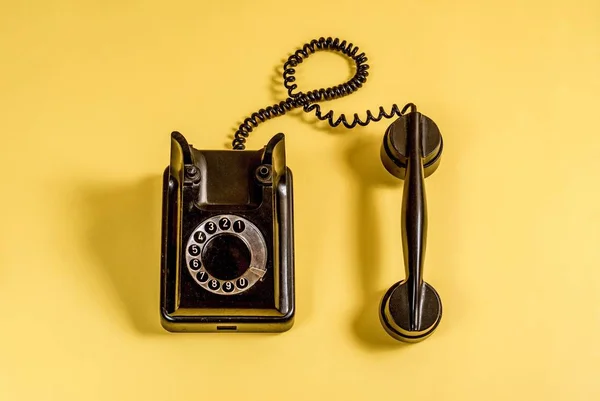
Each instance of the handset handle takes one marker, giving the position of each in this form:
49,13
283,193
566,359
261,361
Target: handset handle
414,220
411,150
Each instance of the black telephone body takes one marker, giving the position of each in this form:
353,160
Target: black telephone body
227,260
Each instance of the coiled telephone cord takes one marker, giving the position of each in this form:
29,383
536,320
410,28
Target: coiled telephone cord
308,100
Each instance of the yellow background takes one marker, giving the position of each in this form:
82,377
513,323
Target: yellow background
90,91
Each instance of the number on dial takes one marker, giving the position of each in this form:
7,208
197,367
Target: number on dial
238,226
228,287
202,276
194,250
211,227
200,237
242,282
224,223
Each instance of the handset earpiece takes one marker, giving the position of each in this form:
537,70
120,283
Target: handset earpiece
412,146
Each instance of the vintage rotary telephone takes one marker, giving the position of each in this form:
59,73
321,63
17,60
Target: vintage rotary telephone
227,231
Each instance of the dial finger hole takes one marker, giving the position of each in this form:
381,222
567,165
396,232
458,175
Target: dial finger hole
195,264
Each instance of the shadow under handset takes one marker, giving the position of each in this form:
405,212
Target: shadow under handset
362,157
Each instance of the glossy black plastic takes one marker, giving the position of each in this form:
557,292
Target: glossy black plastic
255,185
412,309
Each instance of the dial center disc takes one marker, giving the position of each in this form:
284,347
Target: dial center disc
226,257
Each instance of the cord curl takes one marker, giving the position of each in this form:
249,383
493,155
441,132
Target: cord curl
309,99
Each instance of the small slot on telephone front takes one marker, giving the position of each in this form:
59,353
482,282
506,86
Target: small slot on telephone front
227,328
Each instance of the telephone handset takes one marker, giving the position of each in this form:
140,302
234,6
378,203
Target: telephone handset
228,242
412,146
